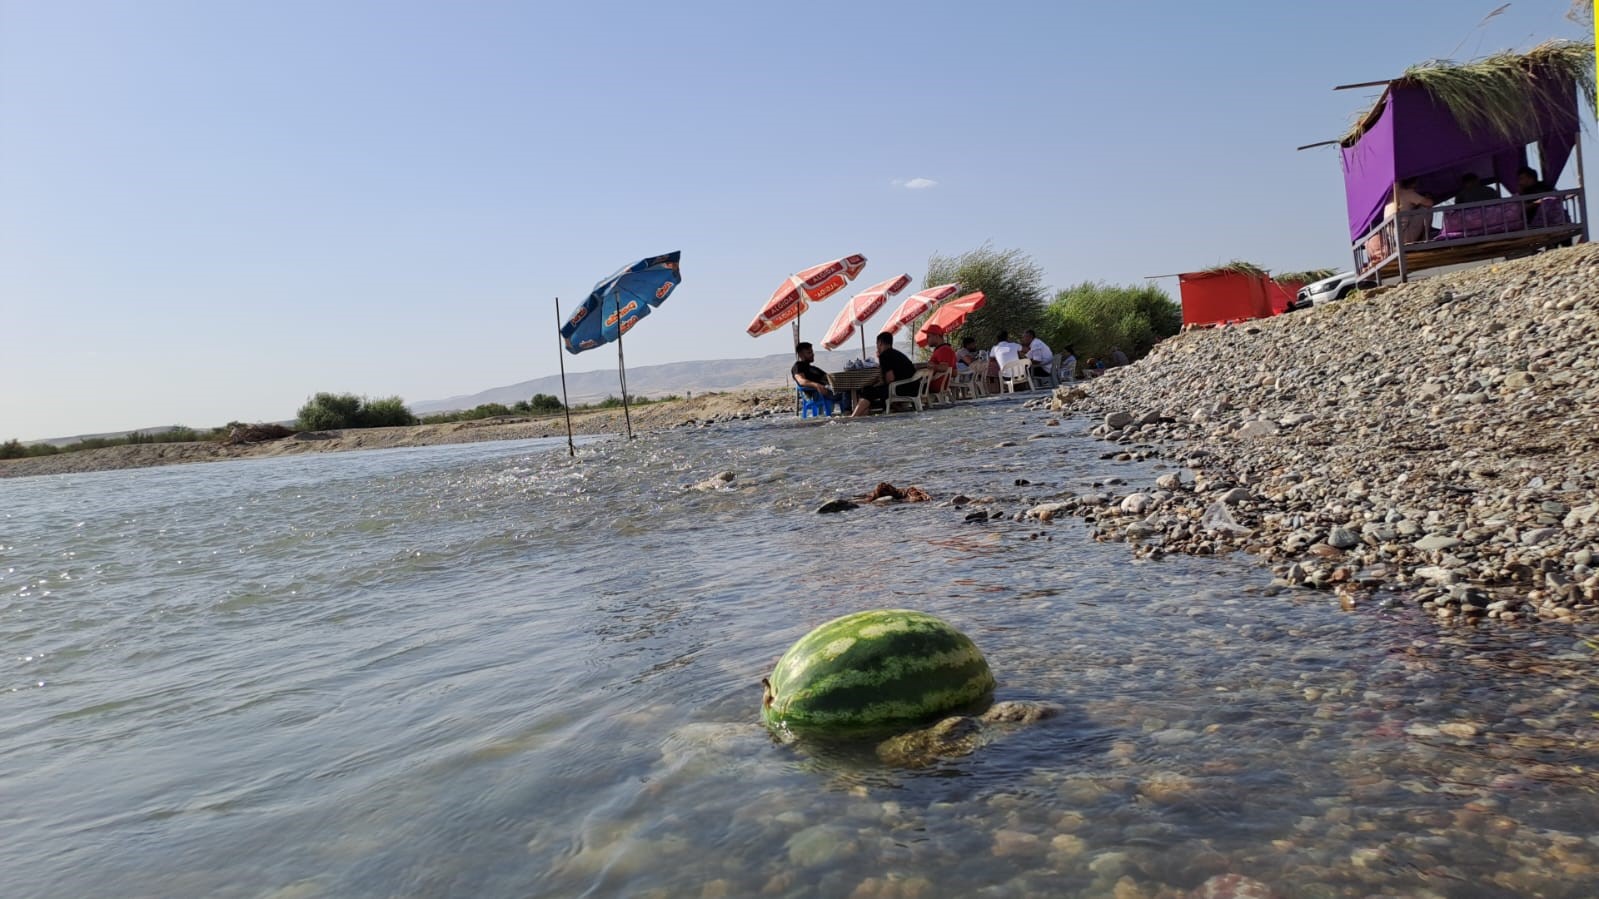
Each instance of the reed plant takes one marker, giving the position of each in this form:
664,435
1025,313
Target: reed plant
1502,94
1309,276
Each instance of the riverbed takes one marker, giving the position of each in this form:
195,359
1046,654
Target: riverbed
494,670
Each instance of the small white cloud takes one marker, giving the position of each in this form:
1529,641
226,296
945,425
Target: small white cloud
914,183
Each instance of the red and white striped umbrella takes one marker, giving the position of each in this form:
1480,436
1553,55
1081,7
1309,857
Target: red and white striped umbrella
951,315
919,304
861,307
812,285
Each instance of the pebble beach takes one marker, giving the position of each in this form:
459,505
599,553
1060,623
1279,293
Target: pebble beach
1434,443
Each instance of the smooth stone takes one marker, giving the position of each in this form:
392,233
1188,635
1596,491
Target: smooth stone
836,505
1235,496
1342,538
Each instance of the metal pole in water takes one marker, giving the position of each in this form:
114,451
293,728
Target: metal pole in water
566,407
621,370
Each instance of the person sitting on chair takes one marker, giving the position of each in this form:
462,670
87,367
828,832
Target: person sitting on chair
1406,198
1068,365
1528,182
1472,190
808,376
942,361
1005,350
1038,353
896,367
966,356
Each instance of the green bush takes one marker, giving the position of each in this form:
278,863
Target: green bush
16,449
1092,318
387,412
544,404
328,412
1011,281
337,411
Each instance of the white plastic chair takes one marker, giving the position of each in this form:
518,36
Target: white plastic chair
1016,371
1041,381
965,384
915,399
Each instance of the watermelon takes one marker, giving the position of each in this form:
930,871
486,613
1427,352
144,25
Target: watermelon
875,670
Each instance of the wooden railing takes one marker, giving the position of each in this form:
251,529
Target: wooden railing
1528,220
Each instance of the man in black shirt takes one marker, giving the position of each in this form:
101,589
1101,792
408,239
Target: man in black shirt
896,368
808,376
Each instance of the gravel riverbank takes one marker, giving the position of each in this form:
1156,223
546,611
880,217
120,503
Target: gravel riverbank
1439,438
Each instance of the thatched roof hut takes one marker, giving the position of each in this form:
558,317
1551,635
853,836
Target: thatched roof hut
1442,120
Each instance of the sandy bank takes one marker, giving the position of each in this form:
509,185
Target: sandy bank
1441,438
706,408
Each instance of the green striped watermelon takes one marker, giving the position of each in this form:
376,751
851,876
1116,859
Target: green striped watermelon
877,669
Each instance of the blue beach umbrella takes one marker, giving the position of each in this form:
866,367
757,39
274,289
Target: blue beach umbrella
612,309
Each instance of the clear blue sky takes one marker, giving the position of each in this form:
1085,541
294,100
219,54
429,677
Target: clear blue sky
210,210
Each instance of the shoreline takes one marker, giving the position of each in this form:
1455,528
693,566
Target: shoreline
1440,438
702,410
1437,441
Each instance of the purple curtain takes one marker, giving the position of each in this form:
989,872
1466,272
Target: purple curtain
1369,173
1415,136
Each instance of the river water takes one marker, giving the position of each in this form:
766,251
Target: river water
491,670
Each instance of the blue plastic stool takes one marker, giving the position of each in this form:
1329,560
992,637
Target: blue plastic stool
815,403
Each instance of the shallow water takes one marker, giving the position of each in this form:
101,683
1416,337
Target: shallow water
489,670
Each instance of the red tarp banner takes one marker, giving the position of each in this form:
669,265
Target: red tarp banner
1282,293
1211,298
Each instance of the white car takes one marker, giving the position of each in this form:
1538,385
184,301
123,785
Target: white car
1328,289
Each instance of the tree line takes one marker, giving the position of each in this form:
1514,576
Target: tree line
1090,317
327,412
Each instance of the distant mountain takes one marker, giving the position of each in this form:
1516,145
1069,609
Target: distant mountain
108,435
645,380
592,386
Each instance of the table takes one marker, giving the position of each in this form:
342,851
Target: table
854,380
848,383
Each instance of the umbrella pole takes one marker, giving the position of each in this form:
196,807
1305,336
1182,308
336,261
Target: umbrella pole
862,327
621,375
566,407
